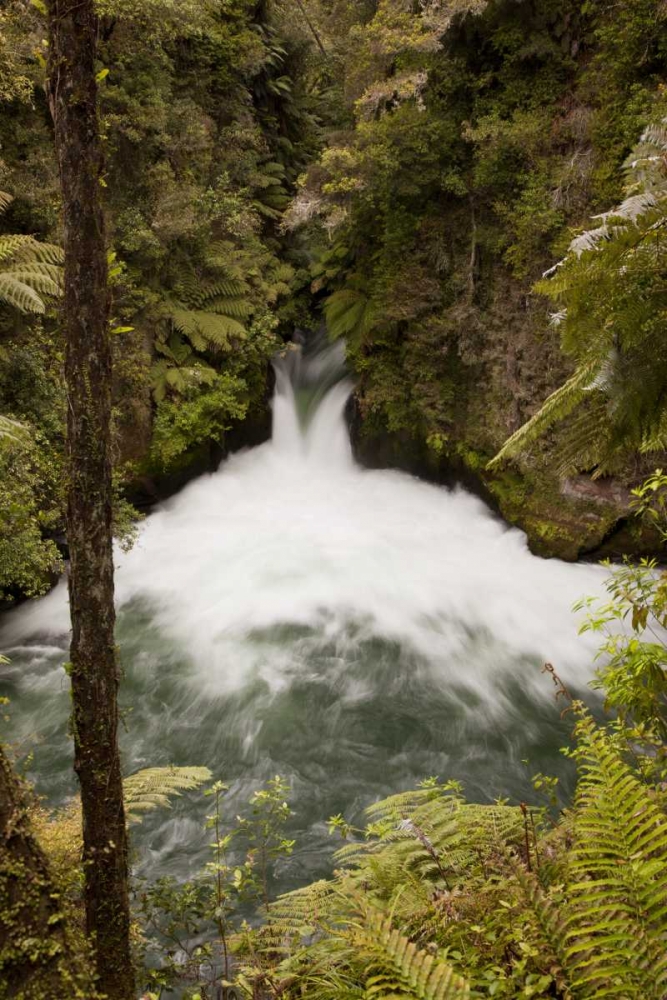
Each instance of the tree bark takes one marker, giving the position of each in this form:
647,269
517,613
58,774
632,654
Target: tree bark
94,666
315,33
38,955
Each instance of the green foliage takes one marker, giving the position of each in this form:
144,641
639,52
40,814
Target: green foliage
479,135
632,623
611,295
208,113
153,787
28,561
30,275
198,416
439,897
264,829
558,406
350,313
395,965
618,869
442,898
209,308
197,923
30,271
44,953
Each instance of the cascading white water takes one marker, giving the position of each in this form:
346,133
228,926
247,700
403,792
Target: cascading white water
354,630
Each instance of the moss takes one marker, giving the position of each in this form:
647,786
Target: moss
44,954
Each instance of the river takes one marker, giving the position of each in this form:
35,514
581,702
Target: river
354,631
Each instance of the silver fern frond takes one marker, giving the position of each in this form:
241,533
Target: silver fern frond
153,787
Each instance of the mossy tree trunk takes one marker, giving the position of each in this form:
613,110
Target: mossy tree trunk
94,666
37,954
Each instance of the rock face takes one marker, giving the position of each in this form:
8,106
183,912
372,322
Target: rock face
441,402
571,519
604,492
149,486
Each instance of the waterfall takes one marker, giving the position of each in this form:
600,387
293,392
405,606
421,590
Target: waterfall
318,435
293,613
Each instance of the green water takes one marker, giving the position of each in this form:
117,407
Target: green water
352,719
294,614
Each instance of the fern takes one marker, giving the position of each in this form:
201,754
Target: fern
296,917
617,934
588,439
153,787
208,307
30,271
350,313
550,921
399,967
611,299
12,431
578,911
204,328
558,406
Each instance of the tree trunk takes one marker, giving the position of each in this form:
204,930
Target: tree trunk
315,33
94,667
38,955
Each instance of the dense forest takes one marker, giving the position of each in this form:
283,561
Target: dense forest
412,175
470,195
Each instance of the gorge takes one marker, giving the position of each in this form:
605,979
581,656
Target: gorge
354,631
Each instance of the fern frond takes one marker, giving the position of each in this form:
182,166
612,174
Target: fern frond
46,279
47,253
26,249
199,343
12,431
349,313
559,405
231,287
20,295
295,916
588,438
420,973
550,920
153,787
403,804
213,328
29,269
656,438
236,307
617,934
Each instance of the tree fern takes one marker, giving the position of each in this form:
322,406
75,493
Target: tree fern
418,847
558,406
350,312
576,911
589,439
206,310
30,271
550,921
153,787
296,916
269,182
612,302
204,328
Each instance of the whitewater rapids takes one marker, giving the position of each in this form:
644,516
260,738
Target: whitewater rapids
354,630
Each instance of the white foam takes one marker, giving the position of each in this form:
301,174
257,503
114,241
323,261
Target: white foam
295,532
